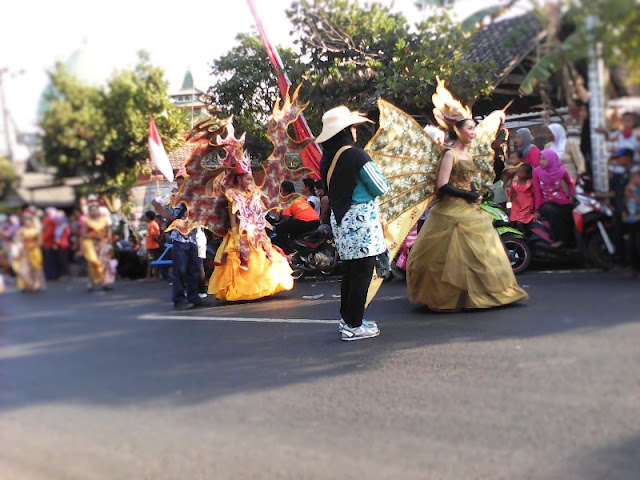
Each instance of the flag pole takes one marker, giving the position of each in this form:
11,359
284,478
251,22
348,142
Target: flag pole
312,154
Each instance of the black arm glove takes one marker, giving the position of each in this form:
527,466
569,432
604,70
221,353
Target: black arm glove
469,195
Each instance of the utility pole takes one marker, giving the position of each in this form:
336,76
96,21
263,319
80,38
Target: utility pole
597,109
5,114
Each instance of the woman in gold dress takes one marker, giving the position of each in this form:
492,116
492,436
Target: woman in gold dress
96,246
458,261
28,263
247,265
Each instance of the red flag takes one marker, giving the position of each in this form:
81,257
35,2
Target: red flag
311,155
157,153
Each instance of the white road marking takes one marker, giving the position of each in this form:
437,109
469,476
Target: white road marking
155,316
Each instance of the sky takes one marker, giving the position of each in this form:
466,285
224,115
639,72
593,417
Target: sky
178,35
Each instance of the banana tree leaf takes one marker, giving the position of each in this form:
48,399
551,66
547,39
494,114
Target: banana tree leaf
550,63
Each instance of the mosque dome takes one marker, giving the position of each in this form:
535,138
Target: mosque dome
84,64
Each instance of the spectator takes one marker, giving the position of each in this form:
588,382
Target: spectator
567,149
550,198
499,147
309,191
48,244
299,218
61,248
617,187
325,210
632,217
511,170
626,137
529,152
186,264
152,243
521,194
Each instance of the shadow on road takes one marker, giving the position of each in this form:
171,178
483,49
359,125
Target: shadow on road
65,346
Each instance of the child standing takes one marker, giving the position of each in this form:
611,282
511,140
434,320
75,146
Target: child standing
632,217
521,194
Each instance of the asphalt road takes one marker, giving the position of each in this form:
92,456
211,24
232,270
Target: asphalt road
117,386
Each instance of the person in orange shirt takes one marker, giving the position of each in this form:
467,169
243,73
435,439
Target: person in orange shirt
299,218
153,247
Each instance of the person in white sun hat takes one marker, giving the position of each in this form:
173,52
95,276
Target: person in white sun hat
353,183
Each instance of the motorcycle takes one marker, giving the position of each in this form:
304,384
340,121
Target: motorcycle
514,241
593,222
314,253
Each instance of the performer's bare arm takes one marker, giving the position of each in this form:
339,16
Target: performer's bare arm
446,166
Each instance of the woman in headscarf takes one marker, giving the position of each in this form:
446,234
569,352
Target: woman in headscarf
528,151
567,150
27,264
353,184
550,198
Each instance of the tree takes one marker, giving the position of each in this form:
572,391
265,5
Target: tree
101,132
8,177
349,55
247,89
130,98
73,125
359,54
618,32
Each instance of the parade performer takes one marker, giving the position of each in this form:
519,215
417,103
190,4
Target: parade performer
458,261
28,263
221,196
247,265
97,249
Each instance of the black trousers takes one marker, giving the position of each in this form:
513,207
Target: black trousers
561,220
296,226
353,290
634,245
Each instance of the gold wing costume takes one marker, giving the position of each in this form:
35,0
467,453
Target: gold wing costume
458,260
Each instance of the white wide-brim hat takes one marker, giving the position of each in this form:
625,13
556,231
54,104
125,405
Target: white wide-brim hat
336,120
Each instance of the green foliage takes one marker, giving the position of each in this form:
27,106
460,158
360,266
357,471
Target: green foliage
102,132
247,89
8,177
352,55
359,54
617,32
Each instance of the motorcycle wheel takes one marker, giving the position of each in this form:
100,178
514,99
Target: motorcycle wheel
598,254
518,251
295,263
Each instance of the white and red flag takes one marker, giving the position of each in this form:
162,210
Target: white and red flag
311,155
157,153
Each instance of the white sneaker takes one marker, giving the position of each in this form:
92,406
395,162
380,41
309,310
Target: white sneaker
368,323
349,334
202,295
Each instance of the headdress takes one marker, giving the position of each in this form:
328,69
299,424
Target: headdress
447,110
243,165
336,120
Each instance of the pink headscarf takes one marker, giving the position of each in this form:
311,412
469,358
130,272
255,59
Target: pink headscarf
554,170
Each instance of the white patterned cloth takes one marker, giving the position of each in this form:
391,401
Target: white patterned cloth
360,234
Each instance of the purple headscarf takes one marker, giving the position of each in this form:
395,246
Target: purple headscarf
554,170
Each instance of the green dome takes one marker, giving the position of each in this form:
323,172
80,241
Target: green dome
82,64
